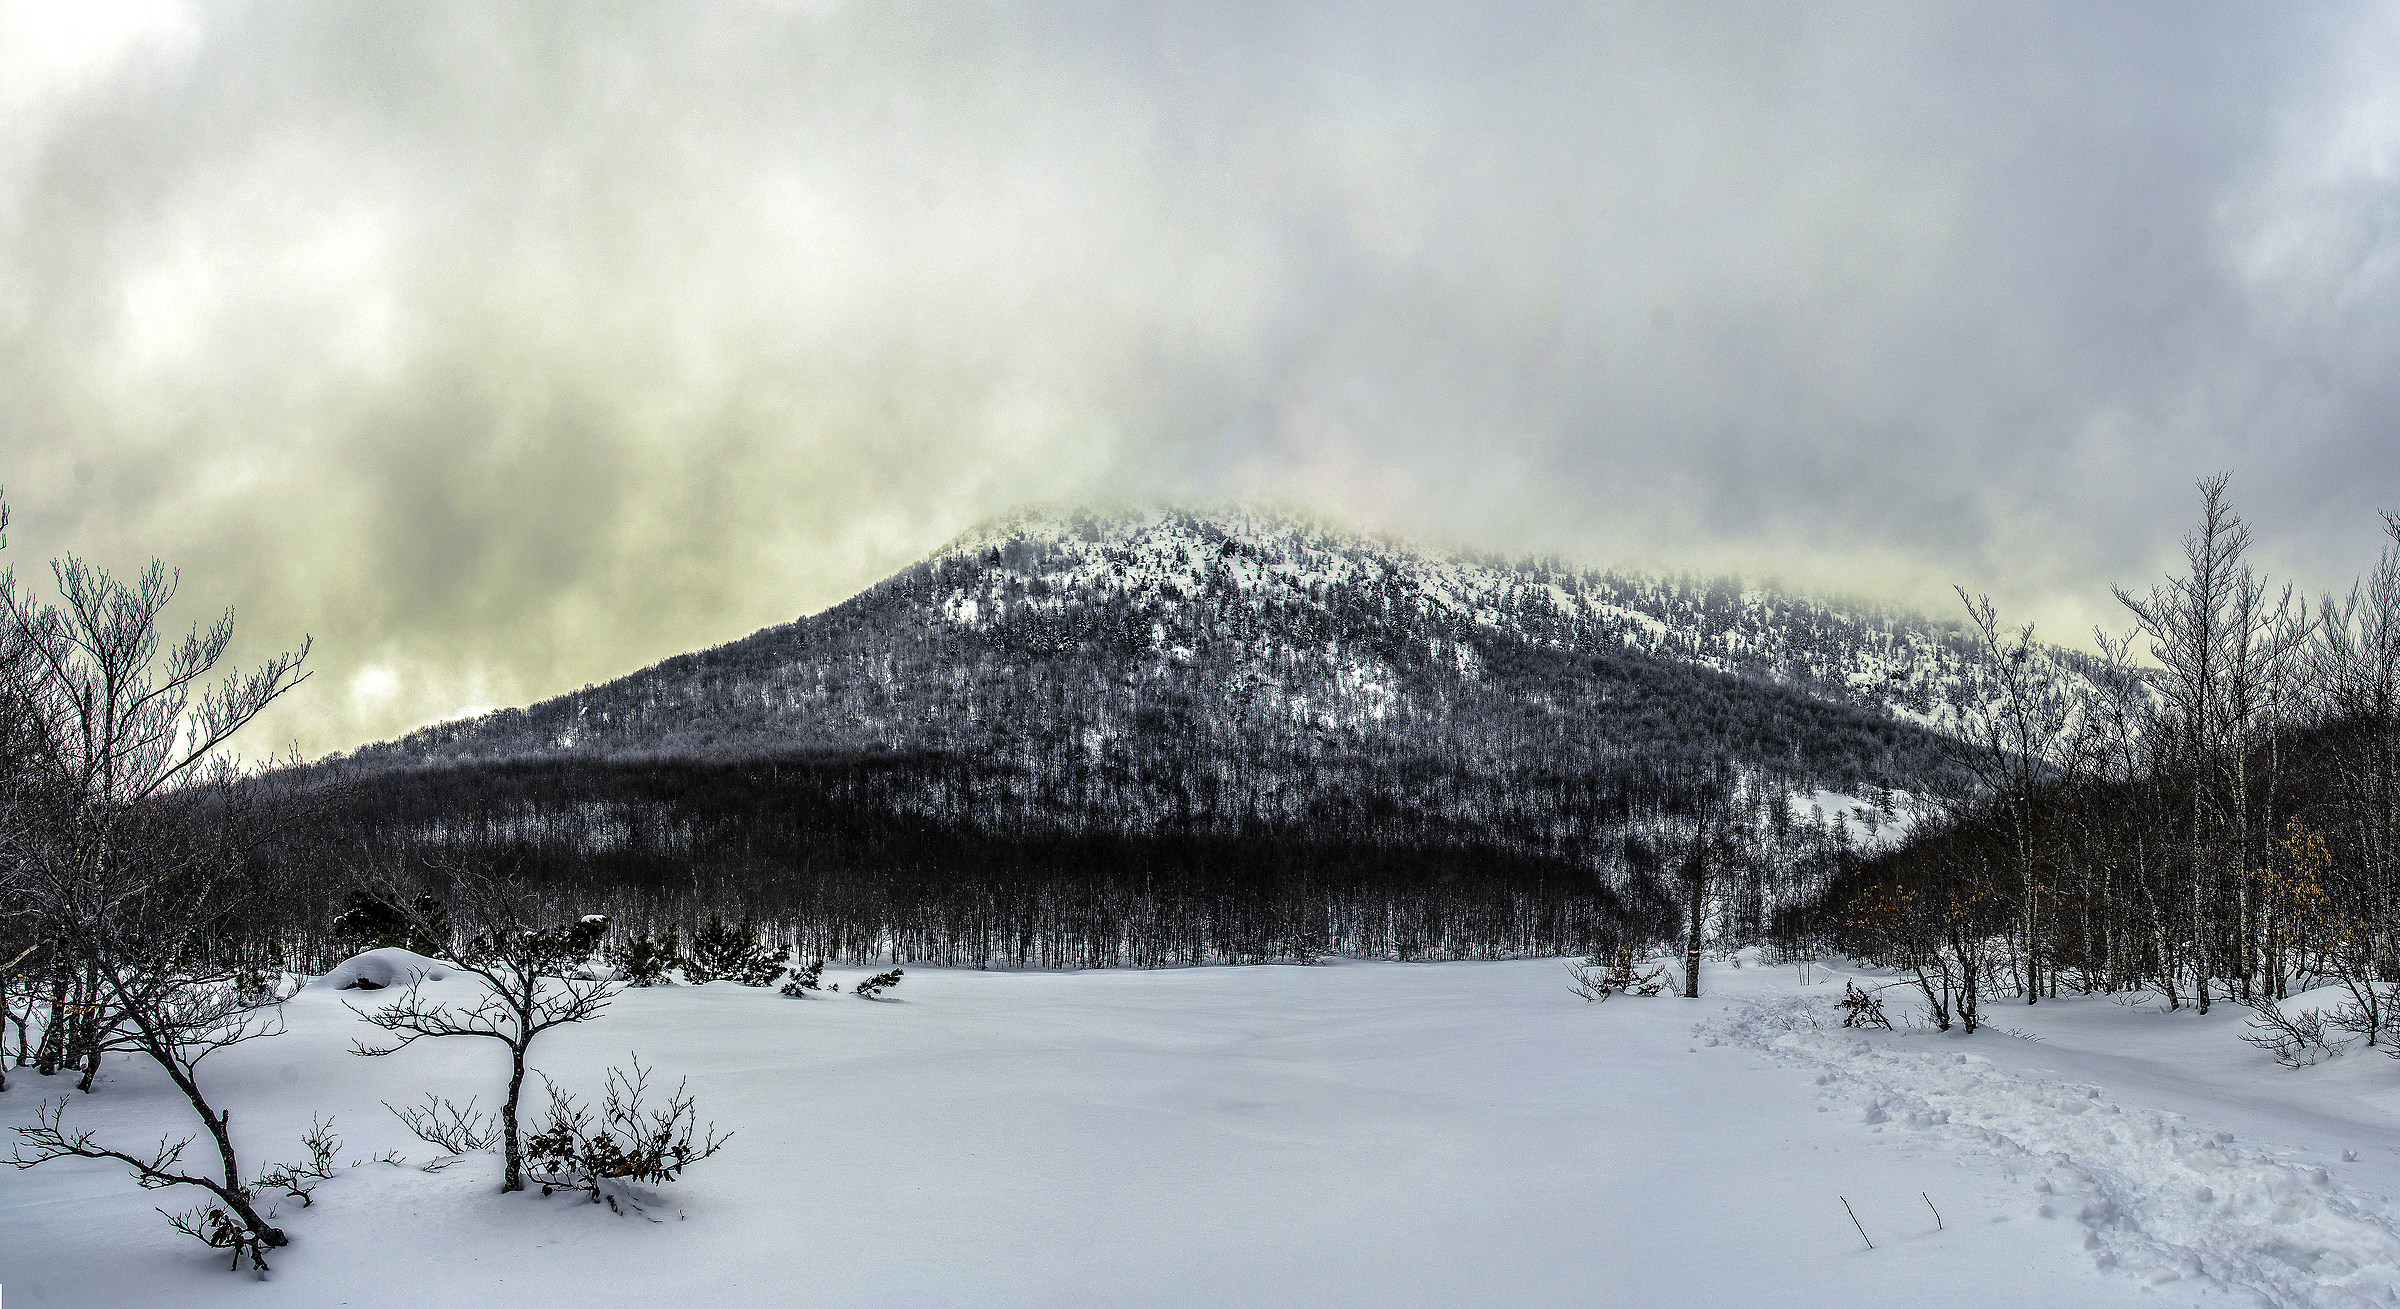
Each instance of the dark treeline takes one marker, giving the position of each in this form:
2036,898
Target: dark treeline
2217,823
928,858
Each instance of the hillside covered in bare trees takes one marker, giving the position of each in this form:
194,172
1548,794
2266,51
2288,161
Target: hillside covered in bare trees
2212,815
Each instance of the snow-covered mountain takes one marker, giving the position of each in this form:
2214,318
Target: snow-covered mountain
1264,631
1259,732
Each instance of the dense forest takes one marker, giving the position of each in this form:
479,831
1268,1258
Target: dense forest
2216,821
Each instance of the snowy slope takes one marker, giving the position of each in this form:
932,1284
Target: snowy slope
1049,558
1352,1134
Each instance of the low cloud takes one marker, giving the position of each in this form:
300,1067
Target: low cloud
507,350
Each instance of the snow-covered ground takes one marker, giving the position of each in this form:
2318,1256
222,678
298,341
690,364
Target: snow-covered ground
1353,1133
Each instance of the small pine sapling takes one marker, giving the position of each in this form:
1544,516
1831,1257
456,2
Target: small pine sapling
804,979
732,952
1598,976
873,988
645,960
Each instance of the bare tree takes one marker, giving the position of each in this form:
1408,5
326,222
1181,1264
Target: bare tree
1695,888
2225,646
179,1017
2017,741
2225,816
530,968
22,792
2354,665
133,852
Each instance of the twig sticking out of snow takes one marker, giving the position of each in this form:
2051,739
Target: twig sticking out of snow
1862,1227
300,1180
1937,1214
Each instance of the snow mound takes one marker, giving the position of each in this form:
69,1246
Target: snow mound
2158,1197
376,969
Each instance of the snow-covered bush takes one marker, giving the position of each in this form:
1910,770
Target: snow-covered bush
626,1140
258,985
376,969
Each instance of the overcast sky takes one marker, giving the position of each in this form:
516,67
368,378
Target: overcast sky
508,348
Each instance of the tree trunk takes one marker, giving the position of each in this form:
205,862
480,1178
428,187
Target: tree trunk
54,1033
515,1181
1695,871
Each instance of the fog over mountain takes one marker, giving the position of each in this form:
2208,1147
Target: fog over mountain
1260,632
508,350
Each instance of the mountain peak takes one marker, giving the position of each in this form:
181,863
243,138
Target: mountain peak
1130,524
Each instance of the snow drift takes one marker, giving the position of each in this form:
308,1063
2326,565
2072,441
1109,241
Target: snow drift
377,969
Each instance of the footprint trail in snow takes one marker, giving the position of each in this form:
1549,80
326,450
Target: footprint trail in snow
2158,1197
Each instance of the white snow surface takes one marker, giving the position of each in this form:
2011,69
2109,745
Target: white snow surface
375,969
1348,1134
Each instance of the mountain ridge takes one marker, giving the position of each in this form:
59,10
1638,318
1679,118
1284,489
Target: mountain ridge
1038,575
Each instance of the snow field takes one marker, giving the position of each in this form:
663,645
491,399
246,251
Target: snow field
1349,1134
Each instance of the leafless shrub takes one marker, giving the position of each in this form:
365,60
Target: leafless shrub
211,1225
625,1140
450,1127
1862,1008
2295,1039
